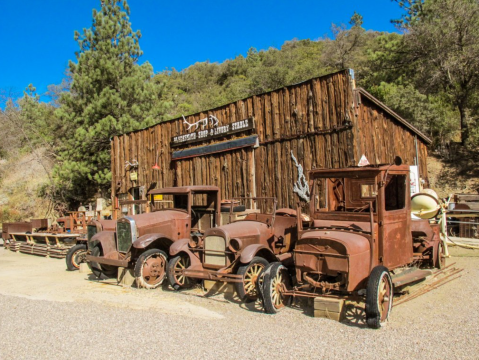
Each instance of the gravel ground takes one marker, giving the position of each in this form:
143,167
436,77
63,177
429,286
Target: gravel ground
47,312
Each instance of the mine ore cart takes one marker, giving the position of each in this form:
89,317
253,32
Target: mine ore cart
236,252
77,254
142,242
360,243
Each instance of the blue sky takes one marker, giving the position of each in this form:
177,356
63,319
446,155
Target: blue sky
37,36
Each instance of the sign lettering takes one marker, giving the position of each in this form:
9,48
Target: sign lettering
215,132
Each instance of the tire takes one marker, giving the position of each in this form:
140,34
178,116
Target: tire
247,290
101,272
75,256
150,269
275,277
238,208
440,256
379,297
179,282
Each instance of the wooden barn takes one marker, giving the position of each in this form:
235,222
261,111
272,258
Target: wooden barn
250,147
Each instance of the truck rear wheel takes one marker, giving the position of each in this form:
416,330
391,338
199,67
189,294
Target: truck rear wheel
379,297
247,289
150,269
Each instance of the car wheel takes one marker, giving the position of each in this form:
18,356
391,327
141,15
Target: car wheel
75,256
247,290
379,297
175,278
150,269
440,255
103,271
276,280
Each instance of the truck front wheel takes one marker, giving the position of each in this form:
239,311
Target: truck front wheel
247,290
150,269
379,297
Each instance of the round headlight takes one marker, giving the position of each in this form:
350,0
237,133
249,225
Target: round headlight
194,241
235,245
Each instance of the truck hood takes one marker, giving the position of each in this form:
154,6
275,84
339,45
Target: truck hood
158,217
349,242
240,229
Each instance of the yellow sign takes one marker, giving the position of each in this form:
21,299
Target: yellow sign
157,197
133,176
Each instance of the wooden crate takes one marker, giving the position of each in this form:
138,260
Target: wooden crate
329,308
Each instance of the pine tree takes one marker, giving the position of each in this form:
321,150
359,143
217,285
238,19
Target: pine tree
110,94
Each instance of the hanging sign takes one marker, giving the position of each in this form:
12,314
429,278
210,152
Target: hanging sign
204,134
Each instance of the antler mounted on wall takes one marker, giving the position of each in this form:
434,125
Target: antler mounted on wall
301,186
132,164
203,122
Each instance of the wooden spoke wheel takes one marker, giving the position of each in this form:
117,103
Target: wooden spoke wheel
440,256
150,269
247,289
379,297
276,281
176,278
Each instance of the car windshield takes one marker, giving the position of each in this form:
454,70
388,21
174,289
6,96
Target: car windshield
344,194
169,201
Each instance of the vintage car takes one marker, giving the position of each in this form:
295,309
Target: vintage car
236,252
141,242
77,253
361,242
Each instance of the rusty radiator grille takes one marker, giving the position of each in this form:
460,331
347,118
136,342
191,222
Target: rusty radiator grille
123,235
215,247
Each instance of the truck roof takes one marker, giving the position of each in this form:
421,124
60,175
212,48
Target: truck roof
185,189
363,171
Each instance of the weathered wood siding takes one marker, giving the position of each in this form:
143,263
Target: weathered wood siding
380,138
318,120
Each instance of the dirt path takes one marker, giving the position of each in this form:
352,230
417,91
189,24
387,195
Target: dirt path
47,312
40,278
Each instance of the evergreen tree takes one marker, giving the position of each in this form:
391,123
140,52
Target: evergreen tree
441,43
110,94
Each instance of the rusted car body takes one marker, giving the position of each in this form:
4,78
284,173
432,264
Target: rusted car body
360,241
77,253
236,252
142,242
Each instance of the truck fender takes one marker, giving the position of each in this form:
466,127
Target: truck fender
251,251
106,239
144,241
181,246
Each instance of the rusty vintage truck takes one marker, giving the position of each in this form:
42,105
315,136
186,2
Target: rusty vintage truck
141,242
361,242
236,252
77,253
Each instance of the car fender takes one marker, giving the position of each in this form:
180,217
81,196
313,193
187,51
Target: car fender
144,241
251,251
106,239
181,246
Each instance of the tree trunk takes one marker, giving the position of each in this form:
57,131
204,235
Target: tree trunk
464,128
